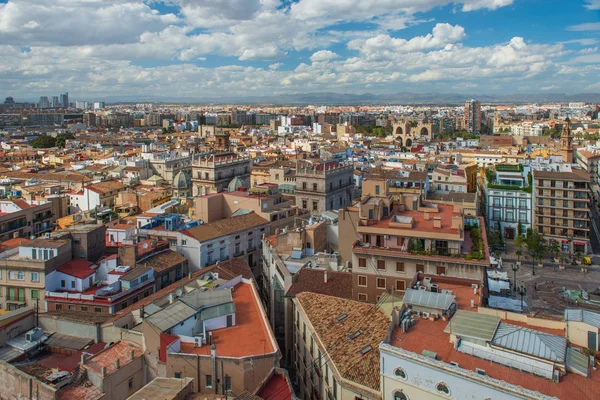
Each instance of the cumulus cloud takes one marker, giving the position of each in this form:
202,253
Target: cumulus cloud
101,47
323,55
592,4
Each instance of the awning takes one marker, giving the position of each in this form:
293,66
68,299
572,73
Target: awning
579,243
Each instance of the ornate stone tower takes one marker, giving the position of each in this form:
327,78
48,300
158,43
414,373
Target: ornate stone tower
566,143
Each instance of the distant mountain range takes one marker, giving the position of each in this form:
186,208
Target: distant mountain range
332,98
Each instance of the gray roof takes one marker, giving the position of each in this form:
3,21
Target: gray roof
217,311
68,341
197,298
440,301
531,342
473,325
171,315
8,353
588,317
577,362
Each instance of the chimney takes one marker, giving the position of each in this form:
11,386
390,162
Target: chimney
325,276
190,275
131,355
426,215
118,363
103,372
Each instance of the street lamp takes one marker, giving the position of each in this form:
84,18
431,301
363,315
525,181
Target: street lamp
515,268
522,292
570,239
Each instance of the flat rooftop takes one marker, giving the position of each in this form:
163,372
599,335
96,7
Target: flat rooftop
433,336
161,389
250,335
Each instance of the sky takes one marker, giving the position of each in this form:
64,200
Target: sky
211,48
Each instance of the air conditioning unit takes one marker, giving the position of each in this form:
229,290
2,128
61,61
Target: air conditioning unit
386,237
197,342
474,286
425,314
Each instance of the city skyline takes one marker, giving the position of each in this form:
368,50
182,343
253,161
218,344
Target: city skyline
208,49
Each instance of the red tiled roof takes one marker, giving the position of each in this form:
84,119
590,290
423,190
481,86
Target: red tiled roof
250,336
276,388
79,268
339,284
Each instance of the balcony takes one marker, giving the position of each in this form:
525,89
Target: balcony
444,253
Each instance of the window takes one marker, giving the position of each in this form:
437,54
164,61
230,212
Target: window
400,373
227,383
442,388
420,267
399,395
97,309
208,381
304,204
33,254
381,264
63,283
399,267
377,190
72,284
315,187
441,270
362,262
362,281
58,307
380,283
362,297
130,383
34,294
84,308
315,205
177,375
20,276
400,285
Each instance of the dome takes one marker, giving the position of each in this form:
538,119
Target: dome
235,184
181,181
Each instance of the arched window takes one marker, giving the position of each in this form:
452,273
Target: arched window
443,388
400,373
399,395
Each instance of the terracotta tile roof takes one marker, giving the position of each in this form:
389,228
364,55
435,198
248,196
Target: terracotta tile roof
163,261
120,351
106,186
345,353
226,270
339,284
50,176
224,227
79,268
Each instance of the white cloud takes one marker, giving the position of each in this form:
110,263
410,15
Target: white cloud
323,55
592,4
588,26
551,87
68,22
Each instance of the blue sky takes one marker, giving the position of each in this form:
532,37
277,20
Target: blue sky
211,48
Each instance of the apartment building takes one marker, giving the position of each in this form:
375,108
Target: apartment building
460,351
399,183
25,218
472,122
80,285
562,208
588,159
23,271
264,199
388,242
95,196
508,199
168,165
219,337
325,186
336,348
212,173
296,260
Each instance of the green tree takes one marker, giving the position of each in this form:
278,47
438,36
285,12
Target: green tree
519,242
535,246
44,142
61,142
